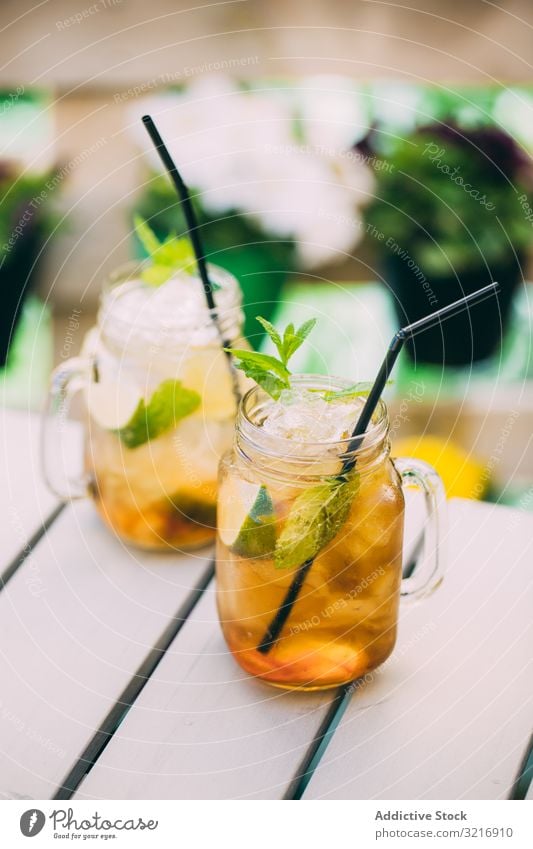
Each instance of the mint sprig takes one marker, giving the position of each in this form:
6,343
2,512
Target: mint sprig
272,373
170,403
167,257
315,518
358,390
292,339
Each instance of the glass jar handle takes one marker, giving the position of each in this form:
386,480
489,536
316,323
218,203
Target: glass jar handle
426,576
67,379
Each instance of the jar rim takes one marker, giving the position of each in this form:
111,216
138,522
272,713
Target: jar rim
229,313
277,446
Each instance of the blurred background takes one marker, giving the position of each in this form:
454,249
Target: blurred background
364,162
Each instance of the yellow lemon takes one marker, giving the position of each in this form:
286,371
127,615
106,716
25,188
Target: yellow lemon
463,475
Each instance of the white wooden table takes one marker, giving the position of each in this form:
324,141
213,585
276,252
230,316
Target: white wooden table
115,681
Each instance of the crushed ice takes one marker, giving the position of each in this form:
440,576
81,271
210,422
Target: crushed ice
303,415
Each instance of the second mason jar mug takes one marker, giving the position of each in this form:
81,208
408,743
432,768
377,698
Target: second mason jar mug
159,408
309,552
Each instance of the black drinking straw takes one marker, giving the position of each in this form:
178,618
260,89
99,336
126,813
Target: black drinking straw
273,631
194,235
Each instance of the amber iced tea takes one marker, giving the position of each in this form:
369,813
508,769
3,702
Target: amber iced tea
271,497
154,479
160,406
344,621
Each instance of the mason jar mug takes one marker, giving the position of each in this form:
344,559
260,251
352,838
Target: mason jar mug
309,550
159,405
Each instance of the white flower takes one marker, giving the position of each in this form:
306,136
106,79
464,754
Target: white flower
514,112
332,112
238,149
399,105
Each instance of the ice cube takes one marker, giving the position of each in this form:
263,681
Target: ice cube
302,415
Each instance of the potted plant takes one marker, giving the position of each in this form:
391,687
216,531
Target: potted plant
25,221
277,188
450,215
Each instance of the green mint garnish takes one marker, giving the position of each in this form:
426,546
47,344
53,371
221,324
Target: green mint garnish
271,373
358,390
267,371
170,403
292,339
167,257
315,518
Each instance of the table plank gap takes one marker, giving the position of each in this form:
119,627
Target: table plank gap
204,729
413,549
29,547
77,619
524,777
131,692
319,744
448,715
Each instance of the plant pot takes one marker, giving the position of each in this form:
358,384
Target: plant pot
17,277
260,280
465,338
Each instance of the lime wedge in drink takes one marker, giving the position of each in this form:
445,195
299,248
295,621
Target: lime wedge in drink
112,405
207,373
246,519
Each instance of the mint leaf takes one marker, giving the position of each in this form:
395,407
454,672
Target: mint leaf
292,339
156,275
170,402
167,257
175,253
358,390
267,371
146,235
315,518
273,333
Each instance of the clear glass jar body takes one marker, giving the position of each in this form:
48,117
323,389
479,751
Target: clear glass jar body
155,486
342,621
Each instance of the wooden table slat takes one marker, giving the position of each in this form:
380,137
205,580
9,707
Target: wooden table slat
203,729
449,716
25,501
76,620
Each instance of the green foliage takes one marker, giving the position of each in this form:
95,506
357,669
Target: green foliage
166,257
358,390
269,372
292,338
26,204
170,403
451,203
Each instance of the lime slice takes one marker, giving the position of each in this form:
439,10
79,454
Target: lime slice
207,372
246,519
112,405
